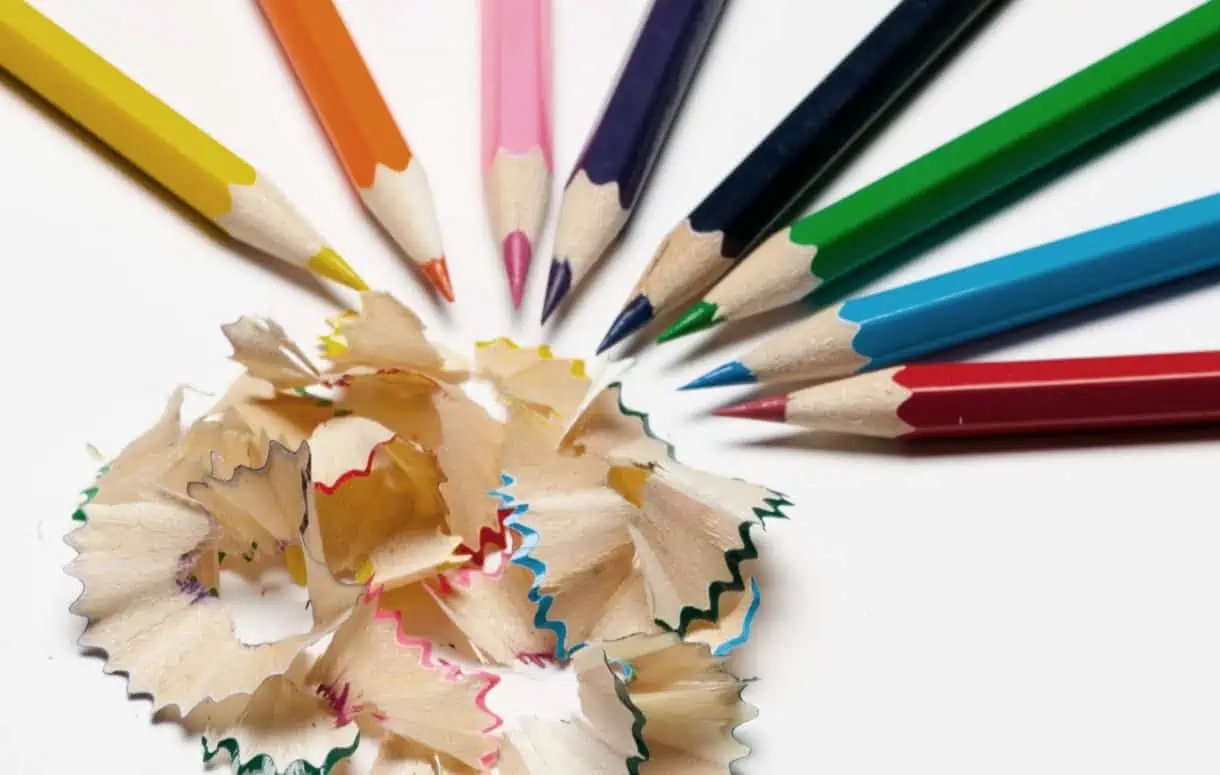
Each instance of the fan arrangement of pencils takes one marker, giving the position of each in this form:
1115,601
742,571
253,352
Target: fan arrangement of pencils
739,247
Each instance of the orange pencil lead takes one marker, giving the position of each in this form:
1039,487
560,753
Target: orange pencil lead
438,272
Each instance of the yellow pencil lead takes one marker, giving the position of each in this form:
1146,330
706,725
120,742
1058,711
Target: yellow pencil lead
331,265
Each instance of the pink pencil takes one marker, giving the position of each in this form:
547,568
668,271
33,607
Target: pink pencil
517,127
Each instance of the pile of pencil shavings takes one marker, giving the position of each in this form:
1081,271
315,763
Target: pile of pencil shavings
434,541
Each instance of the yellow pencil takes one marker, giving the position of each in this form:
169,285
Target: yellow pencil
177,154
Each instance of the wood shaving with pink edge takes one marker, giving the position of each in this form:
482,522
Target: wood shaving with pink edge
441,550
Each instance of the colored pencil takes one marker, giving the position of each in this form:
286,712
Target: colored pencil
378,162
797,158
979,399
626,142
517,128
977,165
208,177
905,323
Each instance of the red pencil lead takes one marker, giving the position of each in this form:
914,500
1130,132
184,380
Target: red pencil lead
772,409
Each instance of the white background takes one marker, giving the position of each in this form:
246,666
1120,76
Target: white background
988,608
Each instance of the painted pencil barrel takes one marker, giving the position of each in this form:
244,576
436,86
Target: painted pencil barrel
1013,145
794,160
641,108
339,85
974,399
120,112
917,319
516,82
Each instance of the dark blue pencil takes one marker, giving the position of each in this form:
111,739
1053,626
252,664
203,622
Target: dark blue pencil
796,160
620,153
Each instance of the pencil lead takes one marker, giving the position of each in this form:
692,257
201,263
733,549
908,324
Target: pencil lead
558,283
438,272
518,252
771,409
634,316
329,264
731,373
697,318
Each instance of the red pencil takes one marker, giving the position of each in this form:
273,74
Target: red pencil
979,399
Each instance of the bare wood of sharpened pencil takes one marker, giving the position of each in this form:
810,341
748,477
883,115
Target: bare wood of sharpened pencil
518,187
815,348
756,286
681,258
590,218
866,405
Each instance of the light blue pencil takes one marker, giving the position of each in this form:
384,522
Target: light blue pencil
898,325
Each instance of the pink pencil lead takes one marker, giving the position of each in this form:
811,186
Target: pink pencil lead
518,252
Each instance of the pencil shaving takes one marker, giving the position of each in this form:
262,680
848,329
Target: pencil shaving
374,668
691,531
283,728
469,458
606,428
140,471
421,616
690,701
380,509
431,539
494,612
256,406
539,465
397,756
262,347
604,741
586,585
387,335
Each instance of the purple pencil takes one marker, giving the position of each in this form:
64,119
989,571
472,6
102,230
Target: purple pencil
620,153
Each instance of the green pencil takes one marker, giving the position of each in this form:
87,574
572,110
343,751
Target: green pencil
986,160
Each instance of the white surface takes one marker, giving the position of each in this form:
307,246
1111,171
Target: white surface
1010,609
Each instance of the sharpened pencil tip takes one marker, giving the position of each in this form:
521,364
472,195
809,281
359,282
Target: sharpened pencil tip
331,265
697,318
731,373
438,272
518,253
634,316
771,409
558,283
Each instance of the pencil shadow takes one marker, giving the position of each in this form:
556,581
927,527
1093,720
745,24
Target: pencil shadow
989,445
849,285
301,278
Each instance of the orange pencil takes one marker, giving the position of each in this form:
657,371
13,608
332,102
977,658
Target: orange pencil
362,131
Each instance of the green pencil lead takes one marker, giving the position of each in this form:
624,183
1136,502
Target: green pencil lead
697,318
